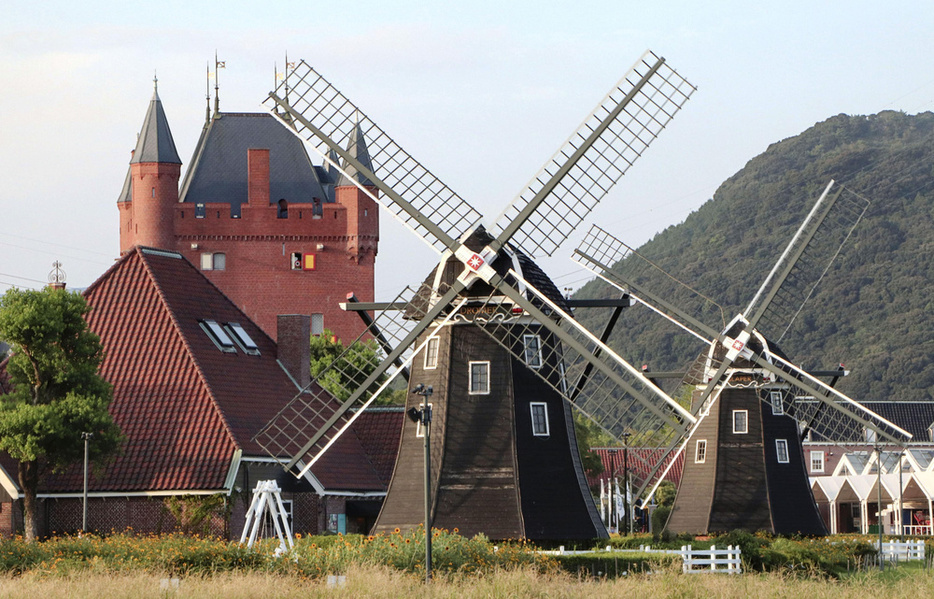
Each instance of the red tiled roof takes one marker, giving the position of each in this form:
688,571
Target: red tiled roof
184,405
641,462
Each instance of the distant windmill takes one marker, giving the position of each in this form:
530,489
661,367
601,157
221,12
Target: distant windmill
488,330
744,467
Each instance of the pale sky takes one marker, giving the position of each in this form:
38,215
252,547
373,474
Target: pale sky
482,93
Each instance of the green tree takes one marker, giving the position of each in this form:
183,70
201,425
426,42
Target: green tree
57,392
341,373
589,435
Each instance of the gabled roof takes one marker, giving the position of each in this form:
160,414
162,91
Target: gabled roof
915,417
155,143
641,462
184,405
218,169
356,147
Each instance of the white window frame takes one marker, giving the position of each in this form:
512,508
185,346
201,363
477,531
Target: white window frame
745,427
781,447
778,408
431,353
562,371
540,404
819,455
470,382
209,261
532,353
419,431
700,451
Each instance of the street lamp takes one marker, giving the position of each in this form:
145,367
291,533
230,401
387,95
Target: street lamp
84,507
423,416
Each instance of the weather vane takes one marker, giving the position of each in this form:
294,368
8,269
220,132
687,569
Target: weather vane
57,275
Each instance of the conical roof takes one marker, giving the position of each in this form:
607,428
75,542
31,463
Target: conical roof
155,143
356,147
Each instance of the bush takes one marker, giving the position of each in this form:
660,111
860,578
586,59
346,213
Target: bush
659,520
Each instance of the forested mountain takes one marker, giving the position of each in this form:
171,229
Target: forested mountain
874,310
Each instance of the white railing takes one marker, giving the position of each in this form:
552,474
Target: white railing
902,550
727,561
917,529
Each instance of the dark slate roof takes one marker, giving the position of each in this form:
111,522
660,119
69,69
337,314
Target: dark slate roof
916,417
356,147
155,143
218,169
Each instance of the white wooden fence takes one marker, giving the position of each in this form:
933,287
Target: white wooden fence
727,561
902,550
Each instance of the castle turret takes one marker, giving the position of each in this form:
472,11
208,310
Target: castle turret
150,193
362,212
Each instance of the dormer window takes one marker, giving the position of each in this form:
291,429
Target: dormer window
243,338
218,335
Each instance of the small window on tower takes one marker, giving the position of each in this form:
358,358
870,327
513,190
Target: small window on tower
431,353
213,261
207,261
776,398
740,422
283,209
220,261
700,451
479,383
317,324
539,419
781,450
533,350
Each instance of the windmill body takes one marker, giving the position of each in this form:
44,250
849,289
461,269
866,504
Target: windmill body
503,446
744,466
488,331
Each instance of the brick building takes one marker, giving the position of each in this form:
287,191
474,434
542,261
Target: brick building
193,380
276,233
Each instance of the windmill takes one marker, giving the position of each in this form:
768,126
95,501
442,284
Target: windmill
743,465
487,330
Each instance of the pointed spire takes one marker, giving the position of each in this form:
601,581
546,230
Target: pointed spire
207,94
155,143
356,147
333,173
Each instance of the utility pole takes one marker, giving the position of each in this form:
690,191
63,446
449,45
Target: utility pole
84,508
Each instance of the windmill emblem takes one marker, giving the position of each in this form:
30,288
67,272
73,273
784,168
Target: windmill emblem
744,466
487,330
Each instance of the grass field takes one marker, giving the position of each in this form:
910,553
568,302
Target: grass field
908,582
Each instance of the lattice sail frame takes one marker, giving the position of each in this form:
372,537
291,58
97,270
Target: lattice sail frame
841,417
286,436
579,175
820,241
321,115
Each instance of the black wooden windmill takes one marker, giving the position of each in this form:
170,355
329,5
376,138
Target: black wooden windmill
744,467
488,331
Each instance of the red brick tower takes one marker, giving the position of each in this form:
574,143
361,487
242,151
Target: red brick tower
150,193
277,234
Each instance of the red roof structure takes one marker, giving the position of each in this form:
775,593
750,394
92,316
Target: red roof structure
193,380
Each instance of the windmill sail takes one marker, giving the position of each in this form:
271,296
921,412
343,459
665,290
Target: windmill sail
321,115
594,158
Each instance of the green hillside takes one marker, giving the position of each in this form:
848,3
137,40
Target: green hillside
874,311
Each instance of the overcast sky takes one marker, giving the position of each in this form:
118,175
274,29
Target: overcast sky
482,93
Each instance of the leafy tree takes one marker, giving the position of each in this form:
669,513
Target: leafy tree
589,435
341,373
56,393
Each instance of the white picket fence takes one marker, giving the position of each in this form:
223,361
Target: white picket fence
902,550
726,561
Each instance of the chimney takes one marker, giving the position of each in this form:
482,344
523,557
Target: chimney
257,177
293,332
